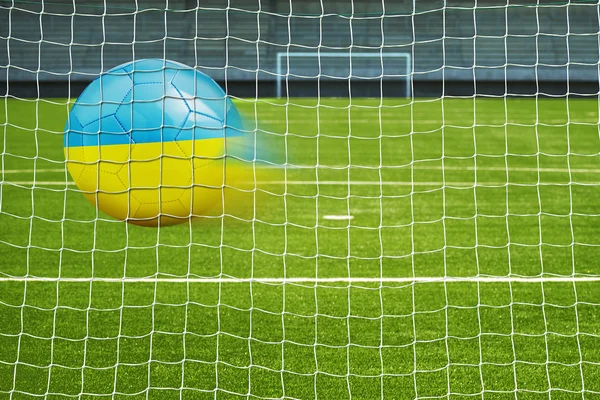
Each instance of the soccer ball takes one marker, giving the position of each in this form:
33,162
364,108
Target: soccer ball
147,141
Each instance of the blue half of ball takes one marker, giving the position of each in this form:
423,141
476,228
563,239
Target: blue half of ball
149,101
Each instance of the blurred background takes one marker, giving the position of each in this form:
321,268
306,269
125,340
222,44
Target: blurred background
437,47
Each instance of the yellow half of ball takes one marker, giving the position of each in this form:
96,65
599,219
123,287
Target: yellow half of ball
160,183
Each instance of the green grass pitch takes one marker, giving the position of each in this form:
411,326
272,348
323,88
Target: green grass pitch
437,188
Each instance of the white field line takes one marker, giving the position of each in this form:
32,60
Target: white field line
338,217
37,183
324,183
384,183
517,169
367,183
452,168
330,183
415,166
324,121
424,279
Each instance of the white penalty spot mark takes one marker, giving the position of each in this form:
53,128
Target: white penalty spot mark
339,217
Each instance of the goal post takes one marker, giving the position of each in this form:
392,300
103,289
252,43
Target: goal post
284,59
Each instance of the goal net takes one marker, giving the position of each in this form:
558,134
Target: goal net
429,227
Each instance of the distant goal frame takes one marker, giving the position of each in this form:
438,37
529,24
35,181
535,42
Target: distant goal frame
327,54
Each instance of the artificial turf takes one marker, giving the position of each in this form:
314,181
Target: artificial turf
437,188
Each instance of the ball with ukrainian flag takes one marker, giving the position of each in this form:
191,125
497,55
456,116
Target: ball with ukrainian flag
147,142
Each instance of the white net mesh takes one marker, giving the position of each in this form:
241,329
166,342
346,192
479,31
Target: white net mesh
444,244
